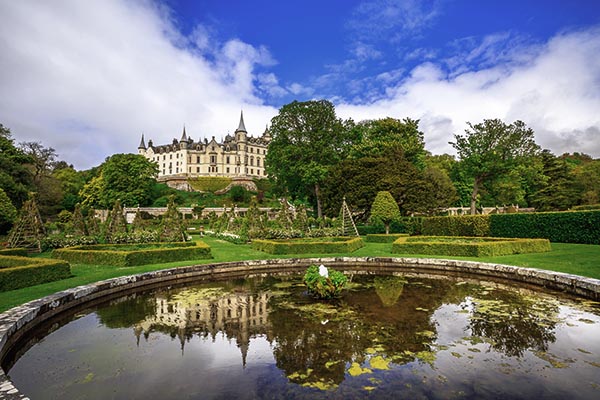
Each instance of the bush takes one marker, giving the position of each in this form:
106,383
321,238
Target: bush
468,246
134,254
587,207
304,246
58,242
18,272
383,238
563,227
324,287
462,225
17,251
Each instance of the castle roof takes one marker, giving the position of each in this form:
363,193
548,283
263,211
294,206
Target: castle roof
142,143
242,126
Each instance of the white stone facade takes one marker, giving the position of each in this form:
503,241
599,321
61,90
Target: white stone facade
239,155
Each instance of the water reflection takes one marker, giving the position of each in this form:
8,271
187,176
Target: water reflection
415,335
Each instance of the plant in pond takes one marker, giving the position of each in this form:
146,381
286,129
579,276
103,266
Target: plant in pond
323,283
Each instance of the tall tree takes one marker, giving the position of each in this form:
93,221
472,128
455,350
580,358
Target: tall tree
385,210
558,192
8,213
491,149
307,139
125,177
15,177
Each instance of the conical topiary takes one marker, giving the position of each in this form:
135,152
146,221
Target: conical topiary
28,231
116,224
78,222
171,226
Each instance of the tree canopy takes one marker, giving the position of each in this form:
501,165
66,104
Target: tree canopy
491,149
307,139
385,210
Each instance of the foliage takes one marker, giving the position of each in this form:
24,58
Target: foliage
126,177
307,139
8,213
384,238
14,252
468,246
491,149
58,241
308,245
78,222
324,287
116,224
563,227
209,183
430,192
385,210
15,178
461,225
19,272
171,226
140,254
29,229
238,193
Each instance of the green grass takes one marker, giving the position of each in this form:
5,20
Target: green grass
576,259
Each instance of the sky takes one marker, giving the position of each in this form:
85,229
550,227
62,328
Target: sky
88,78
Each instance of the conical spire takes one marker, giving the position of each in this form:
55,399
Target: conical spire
183,135
241,127
142,143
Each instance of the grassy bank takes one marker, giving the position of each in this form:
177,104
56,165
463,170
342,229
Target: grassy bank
576,259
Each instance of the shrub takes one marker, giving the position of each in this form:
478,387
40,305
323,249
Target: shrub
468,246
324,287
304,246
18,272
58,242
18,251
134,254
564,227
383,238
462,225
587,207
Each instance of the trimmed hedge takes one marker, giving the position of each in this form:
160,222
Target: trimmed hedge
304,246
408,225
468,246
383,238
461,225
18,272
563,227
127,255
17,251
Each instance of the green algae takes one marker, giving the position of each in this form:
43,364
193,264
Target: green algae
356,370
378,362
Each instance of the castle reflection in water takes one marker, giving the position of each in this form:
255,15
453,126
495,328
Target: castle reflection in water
238,315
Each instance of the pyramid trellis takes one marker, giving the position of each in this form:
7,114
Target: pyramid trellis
29,229
348,226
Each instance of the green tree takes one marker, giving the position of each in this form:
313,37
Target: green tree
385,210
171,225
8,213
379,135
116,224
71,183
587,177
559,191
307,139
491,149
431,191
15,178
129,178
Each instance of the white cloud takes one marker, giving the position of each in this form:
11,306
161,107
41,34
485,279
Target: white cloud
552,87
87,78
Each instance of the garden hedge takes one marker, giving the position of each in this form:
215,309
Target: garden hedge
305,246
17,251
468,246
563,227
127,255
383,238
18,272
462,225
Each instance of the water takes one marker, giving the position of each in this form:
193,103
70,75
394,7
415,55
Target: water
387,337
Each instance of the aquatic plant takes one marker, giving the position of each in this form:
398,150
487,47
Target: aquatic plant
324,283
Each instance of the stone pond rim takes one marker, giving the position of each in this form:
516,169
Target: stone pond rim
17,322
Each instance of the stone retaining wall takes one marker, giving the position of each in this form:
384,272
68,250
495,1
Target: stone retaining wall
18,321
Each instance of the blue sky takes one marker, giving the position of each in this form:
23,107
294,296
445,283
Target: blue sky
88,77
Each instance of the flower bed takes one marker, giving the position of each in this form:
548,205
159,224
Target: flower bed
127,255
309,245
18,272
383,238
468,246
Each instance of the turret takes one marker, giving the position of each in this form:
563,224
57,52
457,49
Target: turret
240,132
142,146
266,134
184,140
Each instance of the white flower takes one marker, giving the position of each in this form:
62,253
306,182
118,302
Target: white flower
323,271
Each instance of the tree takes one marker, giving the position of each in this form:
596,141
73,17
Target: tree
43,159
126,177
307,139
15,179
116,224
385,210
431,191
8,213
491,149
558,191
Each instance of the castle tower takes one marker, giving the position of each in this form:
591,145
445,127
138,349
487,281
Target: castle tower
241,133
142,146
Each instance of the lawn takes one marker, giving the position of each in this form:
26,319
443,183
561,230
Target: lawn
576,259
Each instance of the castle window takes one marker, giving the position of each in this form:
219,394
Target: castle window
227,159
227,169
164,157
170,156
252,171
251,150
198,169
198,159
258,161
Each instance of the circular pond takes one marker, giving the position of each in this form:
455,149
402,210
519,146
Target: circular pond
388,336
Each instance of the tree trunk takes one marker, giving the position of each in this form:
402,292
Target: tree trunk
387,228
476,184
318,196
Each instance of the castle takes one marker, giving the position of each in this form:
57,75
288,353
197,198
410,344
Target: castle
239,156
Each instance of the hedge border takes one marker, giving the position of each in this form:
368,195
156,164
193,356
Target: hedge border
17,251
482,247
18,272
303,246
383,238
148,254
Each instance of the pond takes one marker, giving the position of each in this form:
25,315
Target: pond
401,336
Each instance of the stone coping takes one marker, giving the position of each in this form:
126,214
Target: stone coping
16,322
